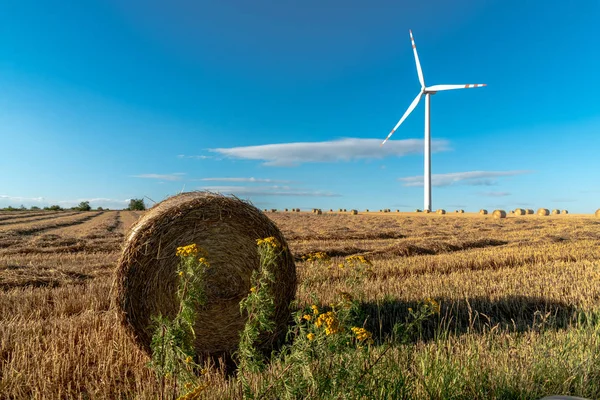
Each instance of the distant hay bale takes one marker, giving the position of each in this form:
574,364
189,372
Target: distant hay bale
483,212
565,212
367,210
354,212
499,214
331,210
441,211
273,210
286,210
426,211
555,212
598,213
340,210
520,211
543,212
319,211
227,228
344,210
397,211
417,210
461,211
529,211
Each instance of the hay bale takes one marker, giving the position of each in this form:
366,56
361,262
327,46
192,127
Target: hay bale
461,211
273,210
319,211
598,213
565,212
483,212
499,214
441,211
417,210
367,210
331,210
354,212
555,212
426,211
286,210
340,210
520,211
529,211
227,228
543,212
344,210
397,211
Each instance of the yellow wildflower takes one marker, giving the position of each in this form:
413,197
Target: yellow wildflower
310,336
315,309
307,317
434,305
180,273
253,290
189,250
188,385
194,394
270,242
330,321
362,334
188,359
203,260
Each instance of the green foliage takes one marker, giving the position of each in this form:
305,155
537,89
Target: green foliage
100,209
173,355
34,208
54,207
136,205
84,206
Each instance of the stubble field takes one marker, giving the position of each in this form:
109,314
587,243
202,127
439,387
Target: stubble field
518,318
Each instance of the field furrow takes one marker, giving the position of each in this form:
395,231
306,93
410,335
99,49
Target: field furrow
35,218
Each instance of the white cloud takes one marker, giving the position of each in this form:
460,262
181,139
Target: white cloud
250,180
177,176
23,199
267,191
291,154
473,178
495,194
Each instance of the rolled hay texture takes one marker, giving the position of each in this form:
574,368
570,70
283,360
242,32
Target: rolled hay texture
499,214
598,213
529,211
520,211
417,210
555,212
441,211
543,211
227,228
565,212
483,212
426,211
354,212
319,211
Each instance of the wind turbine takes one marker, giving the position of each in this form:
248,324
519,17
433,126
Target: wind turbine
427,91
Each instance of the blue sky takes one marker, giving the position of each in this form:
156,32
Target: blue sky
285,103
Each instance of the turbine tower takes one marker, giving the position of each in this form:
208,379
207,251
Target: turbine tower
427,91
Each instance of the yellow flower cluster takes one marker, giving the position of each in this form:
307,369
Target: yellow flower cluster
362,334
315,309
307,317
319,256
253,290
330,321
270,241
203,260
356,259
310,336
434,305
188,359
194,394
189,250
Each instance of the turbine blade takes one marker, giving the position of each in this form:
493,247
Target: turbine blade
437,88
408,111
419,71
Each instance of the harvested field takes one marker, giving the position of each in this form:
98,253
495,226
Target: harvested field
511,292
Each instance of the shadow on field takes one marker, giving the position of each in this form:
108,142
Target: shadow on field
510,314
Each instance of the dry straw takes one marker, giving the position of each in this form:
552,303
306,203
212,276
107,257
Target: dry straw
441,211
426,211
499,214
543,211
565,212
598,212
227,228
483,212
319,211
417,210
520,211
354,212
555,212
529,211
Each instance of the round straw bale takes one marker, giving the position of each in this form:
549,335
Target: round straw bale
331,210
441,211
344,210
319,211
426,211
354,212
598,213
499,214
565,212
286,210
273,210
367,210
397,211
520,211
461,211
227,228
529,211
483,212
543,211
417,210
340,210
555,212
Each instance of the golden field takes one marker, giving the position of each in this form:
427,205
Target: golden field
512,292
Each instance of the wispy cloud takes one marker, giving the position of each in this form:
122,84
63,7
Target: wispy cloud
291,154
249,180
201,157
20,198
177,176
563,200
274,190
473,178
494,194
